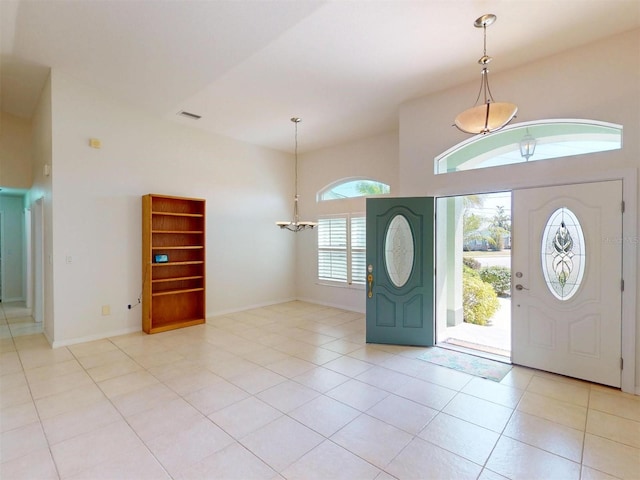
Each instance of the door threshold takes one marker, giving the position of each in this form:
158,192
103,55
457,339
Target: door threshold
482,351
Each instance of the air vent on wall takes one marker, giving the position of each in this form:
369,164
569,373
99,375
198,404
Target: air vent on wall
190,115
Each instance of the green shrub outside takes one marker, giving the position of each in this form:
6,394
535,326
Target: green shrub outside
470,271
471,263
498,277
479,300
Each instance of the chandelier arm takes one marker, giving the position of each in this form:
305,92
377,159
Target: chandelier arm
488,88
480,91
486,119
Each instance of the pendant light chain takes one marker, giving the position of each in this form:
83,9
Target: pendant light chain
296,215
296,225
295,151
484,29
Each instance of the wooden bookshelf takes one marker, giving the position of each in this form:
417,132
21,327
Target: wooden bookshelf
173,293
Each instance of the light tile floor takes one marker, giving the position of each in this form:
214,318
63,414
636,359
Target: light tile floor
292,391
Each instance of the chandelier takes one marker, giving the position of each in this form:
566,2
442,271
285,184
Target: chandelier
296,225
491,115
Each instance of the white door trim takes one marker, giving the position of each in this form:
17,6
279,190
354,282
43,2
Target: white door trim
3,258
630,240
28,263
38,260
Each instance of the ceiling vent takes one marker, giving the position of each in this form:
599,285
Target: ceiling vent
190,115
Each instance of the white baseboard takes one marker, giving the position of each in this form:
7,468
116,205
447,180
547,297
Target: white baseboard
91,338
46,335
248,307
276,302
329,304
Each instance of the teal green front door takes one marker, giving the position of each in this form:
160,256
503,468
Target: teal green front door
400,271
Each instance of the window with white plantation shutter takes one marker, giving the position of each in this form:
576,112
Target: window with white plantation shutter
332,249
341,249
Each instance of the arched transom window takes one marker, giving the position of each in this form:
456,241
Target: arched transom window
530,142
351,188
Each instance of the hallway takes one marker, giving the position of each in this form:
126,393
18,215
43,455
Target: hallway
16,320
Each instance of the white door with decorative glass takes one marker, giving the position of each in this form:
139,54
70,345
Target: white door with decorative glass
567,276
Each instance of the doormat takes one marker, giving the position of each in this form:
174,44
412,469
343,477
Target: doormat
463,362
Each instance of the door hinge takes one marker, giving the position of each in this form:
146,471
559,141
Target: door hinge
621,363
622,284
622,206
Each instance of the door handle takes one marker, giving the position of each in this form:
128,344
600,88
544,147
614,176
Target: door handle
370,282
520,287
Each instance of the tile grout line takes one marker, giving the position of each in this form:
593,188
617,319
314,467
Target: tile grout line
117,410
35,407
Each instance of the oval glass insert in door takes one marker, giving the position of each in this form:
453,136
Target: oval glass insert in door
563,254
399,250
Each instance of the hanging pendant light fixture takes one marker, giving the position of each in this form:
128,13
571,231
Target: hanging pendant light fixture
491,115
296,225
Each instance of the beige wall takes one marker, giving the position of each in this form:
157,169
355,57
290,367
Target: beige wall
599,81
95,218
97,211
570,85
15,151
374,158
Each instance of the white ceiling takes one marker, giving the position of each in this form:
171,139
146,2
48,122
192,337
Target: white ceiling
343,66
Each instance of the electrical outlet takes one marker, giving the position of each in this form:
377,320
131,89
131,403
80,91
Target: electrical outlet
106,310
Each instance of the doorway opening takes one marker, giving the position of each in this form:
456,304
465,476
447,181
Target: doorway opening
473,255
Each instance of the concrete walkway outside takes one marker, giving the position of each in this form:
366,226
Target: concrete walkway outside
497,336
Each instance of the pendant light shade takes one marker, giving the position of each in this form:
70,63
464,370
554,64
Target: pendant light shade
296,225
490,115
486,118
